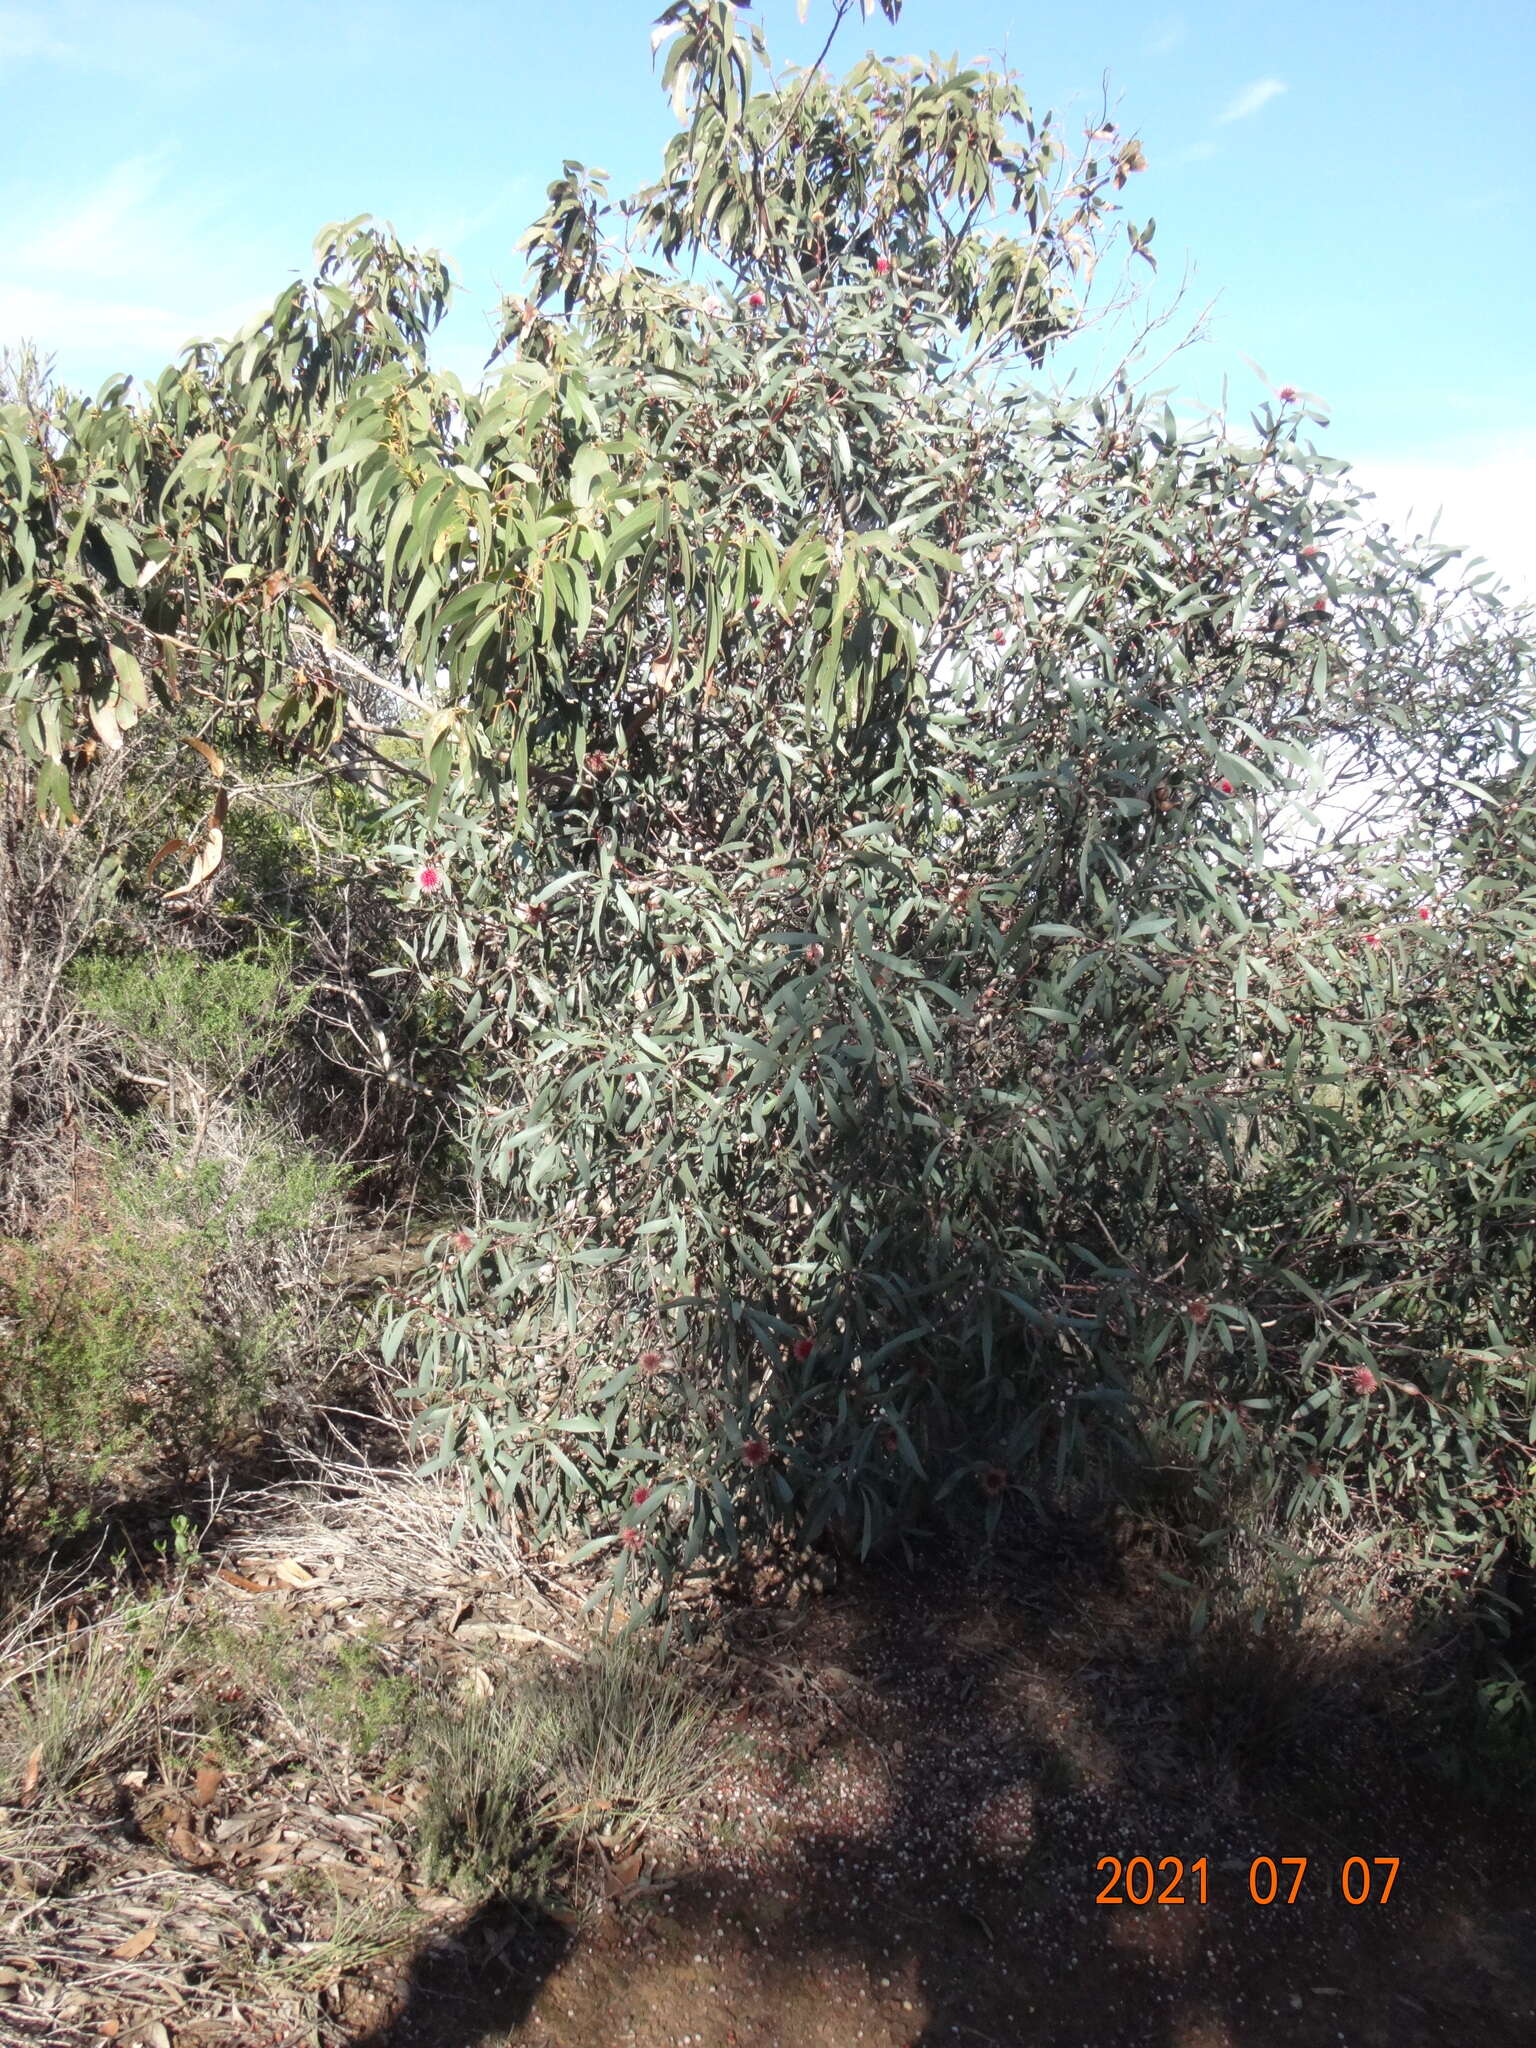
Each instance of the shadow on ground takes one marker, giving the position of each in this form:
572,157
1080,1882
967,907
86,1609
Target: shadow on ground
961,1758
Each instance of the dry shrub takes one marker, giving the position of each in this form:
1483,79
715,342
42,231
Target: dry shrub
396,1532
54,881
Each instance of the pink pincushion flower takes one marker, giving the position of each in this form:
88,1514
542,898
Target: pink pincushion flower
462,1240
882,264
1371,939
1288,394
1423,914
755,1452
429,878
650,1362
803,1347
640,1496
993,1481
756,301
1321,605
631,1538
1224,786
1363,1381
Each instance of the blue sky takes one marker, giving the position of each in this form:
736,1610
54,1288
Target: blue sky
1349,185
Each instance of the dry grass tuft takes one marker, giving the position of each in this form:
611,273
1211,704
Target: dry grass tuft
639,1739
391,1532
81,1704
362,1933
606,1751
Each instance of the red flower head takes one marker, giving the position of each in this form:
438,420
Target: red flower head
1321,605
650,1362
1309,554
756,301
1287,394
815,953
1224,786
1199,1313
1371,939
640,1496
882,264
999,636
802,1348
631,1538
1363,1381
755,1452
1423,913
889,1440
993,1481
462,1240
429,878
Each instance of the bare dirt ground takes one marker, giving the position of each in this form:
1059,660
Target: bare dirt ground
906,1852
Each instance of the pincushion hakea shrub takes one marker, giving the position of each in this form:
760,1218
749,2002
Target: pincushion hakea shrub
868,1082
913,1038
830,1172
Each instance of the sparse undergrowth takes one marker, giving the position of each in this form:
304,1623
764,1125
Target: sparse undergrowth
267,1737
329,1770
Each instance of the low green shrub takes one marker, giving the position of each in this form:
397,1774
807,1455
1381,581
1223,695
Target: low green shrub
361,1702
211,1018
169,1314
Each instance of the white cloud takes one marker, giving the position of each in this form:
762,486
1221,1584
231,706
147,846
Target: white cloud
104,232
1252,97
1167,36
61,320
123,271
26,37
149,40
1478,496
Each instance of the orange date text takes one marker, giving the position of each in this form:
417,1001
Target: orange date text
1272,1880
